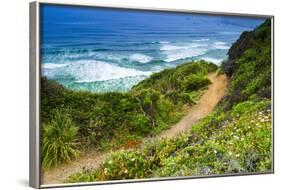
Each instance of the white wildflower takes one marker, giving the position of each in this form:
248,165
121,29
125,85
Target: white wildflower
126,171
229,153
237,155
215,151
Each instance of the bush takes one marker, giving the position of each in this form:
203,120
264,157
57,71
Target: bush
125,165
174,83
121,165
141,124
194,82
59,142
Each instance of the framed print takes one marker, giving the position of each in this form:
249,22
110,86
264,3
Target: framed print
126,94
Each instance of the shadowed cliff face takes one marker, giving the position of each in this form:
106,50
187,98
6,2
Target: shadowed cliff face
257,39
249,65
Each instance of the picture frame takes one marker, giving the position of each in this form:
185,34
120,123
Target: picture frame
36,88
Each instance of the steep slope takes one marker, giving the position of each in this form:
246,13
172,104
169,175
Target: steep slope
234,138
249,66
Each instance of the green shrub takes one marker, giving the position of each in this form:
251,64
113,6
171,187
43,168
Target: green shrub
194,82
249,106
224,142
125,165
141,123
58,143
121,165
174,83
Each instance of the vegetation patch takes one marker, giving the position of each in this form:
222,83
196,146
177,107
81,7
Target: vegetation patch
113,119
242,143
235,137
59,142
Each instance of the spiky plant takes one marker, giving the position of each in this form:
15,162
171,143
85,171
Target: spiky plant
58,144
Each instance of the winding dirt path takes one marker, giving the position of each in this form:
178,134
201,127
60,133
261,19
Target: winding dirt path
204,106
93,159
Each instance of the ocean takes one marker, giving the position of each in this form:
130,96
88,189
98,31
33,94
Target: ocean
103,50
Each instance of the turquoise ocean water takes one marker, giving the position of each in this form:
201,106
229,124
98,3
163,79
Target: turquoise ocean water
103,50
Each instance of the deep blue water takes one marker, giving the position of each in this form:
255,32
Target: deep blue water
100,49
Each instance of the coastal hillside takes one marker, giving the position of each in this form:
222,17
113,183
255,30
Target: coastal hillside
235,138
249,66
74,122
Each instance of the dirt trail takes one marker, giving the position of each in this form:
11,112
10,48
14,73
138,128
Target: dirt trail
204,106
92,160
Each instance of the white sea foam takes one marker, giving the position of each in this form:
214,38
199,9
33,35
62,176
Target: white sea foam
170,47
91,71
140,58
221,45
68,55
201,40
230,33
164,42
176,52
185,54
52,65
213,60
121,85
